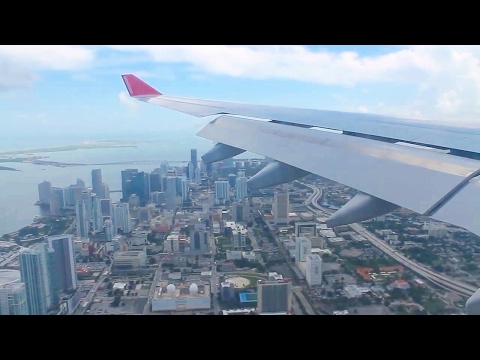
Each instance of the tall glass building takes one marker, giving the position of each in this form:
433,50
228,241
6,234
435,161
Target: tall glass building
34,266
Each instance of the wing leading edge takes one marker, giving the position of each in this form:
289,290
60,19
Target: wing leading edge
365,152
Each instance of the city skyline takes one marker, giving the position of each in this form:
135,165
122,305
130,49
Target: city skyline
435,82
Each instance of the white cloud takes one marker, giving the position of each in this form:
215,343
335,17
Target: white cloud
18,63
437,72
363,109
126,100
446,78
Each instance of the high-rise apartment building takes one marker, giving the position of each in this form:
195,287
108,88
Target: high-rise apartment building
65,275
13,294
193,158
185,190
171,194
241,188
274,297
34,270
44,189
222,192
121,217
313,272
82,220
97,184
280,207
57,202
303,248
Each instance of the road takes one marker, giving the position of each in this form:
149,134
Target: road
444,281
151,293
80,310
298,291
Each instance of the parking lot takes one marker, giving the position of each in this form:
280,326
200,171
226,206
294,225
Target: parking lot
127,306
133,298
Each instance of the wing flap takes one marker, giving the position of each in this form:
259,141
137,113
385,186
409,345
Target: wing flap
463,209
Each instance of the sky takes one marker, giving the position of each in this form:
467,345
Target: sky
55,91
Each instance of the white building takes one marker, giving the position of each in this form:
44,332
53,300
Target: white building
185,190
82,220
303,248
222,192
313,273
57,200
234,255
121,217
109,230
241,187
13,294
198,178
280,208
133,259
172,243
44,189
184,297
437,231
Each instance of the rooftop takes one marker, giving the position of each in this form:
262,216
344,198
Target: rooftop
9,276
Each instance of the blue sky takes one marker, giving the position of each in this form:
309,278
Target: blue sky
77,91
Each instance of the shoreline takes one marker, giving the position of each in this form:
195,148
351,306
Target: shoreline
10,155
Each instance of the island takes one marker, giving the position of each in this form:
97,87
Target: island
8,168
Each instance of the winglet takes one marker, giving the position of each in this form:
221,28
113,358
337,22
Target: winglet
138,88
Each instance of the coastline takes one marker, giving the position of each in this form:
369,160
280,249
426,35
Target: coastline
11,155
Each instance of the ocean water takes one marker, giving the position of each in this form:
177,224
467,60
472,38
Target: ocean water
19,189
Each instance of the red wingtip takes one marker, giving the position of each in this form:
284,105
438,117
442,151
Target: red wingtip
137,87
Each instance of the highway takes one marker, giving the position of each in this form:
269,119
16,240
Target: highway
151,293
80,310
444,281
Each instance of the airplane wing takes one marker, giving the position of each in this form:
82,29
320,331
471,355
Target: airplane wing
429,169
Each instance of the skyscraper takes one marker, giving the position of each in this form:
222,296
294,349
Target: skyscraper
127,175
97,184
171,194
106,205
57,202
274,296
198,178
66,278
83,222
241,188
303,248
164,168
97,214
185,190
13,294
106,191
44,189
313,271
34,274
87,198
121,217
222,191
280,207
191,172
109,229
155,179
193,158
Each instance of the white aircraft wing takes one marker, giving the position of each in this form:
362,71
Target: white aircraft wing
392,162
